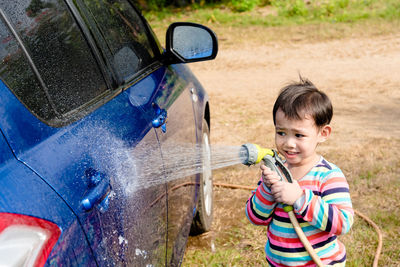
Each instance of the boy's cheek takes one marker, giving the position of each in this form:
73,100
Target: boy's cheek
277,138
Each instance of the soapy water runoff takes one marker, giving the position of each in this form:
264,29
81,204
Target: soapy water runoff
141,169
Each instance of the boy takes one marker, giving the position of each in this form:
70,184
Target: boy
319,192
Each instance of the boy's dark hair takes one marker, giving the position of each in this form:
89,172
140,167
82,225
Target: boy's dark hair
303,96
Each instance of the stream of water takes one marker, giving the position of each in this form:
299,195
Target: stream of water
185,160
142,169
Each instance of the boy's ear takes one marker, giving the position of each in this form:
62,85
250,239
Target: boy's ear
324,133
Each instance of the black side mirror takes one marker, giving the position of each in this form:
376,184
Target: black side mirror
190,42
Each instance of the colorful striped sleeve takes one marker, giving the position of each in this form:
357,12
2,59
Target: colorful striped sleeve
260,206
328,208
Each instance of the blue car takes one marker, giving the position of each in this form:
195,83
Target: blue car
95,117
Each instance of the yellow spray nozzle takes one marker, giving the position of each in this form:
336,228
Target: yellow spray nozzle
262,152
254,153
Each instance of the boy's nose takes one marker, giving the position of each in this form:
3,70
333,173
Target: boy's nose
290,142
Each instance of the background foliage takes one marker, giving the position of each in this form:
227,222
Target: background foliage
236,5
269,12
310,9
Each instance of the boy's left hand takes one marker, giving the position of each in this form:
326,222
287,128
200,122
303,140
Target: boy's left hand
285,192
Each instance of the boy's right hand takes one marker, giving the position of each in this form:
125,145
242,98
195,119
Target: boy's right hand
269,177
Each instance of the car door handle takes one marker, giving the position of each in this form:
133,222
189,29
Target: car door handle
96,194
161,118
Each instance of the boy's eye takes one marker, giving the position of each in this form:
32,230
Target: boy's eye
299,135
280,133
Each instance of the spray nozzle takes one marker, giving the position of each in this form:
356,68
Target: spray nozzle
253,154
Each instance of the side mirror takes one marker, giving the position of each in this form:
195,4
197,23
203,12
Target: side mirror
190,42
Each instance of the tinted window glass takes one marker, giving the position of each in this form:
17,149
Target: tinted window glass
16,73
124,33
58,50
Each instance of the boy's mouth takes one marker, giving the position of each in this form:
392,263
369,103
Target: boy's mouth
290,154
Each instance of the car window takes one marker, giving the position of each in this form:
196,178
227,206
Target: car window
60,53
16,73
125,34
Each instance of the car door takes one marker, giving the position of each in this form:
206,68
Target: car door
86,128
180,155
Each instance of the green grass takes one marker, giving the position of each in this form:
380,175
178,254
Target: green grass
282,12
328,19
233,248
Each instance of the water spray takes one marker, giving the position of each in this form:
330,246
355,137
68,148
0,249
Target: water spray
253,154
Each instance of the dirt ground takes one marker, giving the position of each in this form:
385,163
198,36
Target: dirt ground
360,73
361,76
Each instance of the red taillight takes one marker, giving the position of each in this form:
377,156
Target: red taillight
26,240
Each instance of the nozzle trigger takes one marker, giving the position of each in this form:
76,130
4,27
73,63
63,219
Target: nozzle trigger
275,163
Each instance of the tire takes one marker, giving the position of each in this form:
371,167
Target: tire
204,213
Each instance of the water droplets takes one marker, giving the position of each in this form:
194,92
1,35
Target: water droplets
137,169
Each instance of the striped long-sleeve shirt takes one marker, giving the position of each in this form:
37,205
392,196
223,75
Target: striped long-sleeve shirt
324,212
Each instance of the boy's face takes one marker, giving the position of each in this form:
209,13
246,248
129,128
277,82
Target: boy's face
297,140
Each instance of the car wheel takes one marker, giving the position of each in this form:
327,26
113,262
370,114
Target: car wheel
204,214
